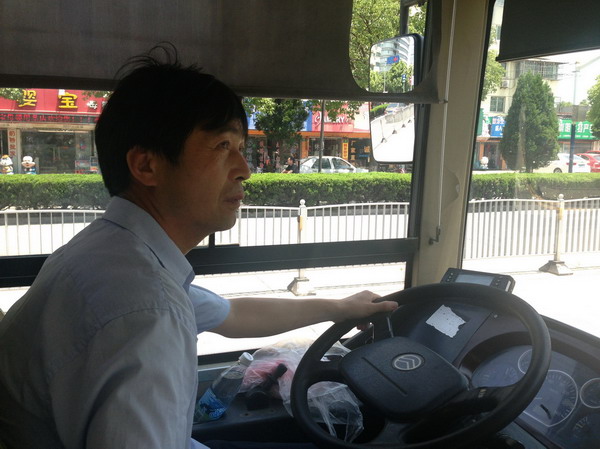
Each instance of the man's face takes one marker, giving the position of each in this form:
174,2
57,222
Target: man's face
201,194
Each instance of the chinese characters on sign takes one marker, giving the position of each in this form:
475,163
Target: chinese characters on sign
497,126
12,142
67,101
47,118
29,98
583,130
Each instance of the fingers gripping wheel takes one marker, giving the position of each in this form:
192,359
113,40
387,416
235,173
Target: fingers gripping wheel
408,383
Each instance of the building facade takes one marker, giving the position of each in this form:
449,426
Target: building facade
569,77
55,127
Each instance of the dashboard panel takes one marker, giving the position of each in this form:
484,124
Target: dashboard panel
493,350
490,349
566,410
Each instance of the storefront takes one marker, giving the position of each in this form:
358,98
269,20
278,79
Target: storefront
491,131
56,129
346,137
52,126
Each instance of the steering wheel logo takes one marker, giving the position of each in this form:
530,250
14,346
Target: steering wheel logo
408,362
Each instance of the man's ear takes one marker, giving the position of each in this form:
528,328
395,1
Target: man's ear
142,165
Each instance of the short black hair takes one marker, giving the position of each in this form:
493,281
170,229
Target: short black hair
156,106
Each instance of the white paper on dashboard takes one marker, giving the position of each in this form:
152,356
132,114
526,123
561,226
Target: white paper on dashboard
446,321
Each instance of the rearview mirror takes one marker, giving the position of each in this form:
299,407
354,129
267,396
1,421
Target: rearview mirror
394,69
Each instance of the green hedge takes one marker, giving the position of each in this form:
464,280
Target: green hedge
536,185
277,189
52,191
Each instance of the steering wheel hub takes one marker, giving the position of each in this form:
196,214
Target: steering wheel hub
401,378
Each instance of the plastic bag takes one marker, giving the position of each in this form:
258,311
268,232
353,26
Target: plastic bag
331,403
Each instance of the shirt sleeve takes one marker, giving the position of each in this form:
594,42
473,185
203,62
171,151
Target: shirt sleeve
210,309
132,387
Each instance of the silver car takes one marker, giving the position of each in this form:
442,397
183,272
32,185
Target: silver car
329,164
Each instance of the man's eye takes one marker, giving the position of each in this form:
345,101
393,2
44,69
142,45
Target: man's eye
224,144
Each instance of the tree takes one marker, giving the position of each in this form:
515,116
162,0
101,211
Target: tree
417,19
335,108
593,114
396,79
530,138
372,22
279,119
87,94
11,93
494,72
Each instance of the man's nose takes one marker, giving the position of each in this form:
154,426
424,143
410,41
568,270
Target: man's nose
242,170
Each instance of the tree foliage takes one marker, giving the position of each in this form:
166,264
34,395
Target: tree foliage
372,22
417,19
593,114
494,72
335,108
530,138
11,93
396,79
279,119
87,94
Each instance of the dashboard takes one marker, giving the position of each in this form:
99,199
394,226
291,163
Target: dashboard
493,350
566,410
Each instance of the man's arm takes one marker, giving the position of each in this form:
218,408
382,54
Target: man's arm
260,317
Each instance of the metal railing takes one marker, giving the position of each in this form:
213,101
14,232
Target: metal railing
24,232
499,228
495,228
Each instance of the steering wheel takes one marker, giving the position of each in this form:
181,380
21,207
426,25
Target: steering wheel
414,388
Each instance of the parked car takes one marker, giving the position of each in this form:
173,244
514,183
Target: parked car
392,108
561,165
329,164
593,159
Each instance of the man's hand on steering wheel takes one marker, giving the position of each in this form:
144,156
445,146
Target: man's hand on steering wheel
364,304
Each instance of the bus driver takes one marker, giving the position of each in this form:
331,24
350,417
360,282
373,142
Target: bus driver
101,351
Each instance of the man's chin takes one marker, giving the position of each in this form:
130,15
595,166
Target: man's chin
226,225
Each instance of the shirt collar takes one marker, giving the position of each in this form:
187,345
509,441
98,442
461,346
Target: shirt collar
139,222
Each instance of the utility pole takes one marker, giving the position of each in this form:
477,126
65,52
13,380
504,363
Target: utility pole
574,110
322,136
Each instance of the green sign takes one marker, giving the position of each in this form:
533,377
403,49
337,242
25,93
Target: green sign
583,130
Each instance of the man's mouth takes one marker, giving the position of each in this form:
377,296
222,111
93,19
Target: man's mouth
236,200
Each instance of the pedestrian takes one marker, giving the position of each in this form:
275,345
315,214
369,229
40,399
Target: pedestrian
101,350
290,166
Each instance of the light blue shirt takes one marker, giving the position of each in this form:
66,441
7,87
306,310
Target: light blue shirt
101,351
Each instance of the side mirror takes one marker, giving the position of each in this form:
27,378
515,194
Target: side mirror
395,67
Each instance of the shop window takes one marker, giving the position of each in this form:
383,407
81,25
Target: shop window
59,152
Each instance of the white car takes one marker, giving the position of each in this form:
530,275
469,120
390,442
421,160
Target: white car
392,108
329,164
561,165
